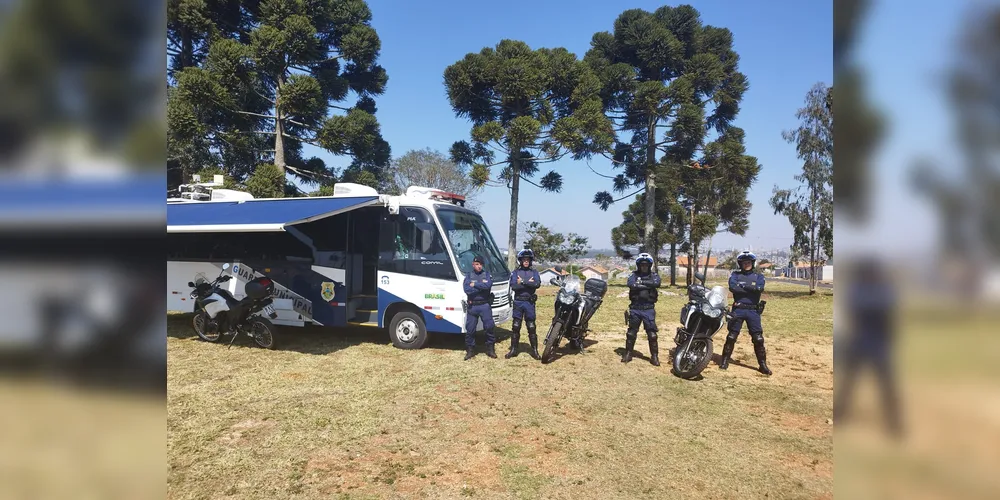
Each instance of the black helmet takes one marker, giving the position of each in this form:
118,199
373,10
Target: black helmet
526,253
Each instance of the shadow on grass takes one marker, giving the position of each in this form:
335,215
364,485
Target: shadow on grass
321,340
717,358
789,294
565,348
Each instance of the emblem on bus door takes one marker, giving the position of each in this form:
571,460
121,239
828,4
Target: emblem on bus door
327,291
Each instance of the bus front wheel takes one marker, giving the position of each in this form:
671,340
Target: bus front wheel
408,331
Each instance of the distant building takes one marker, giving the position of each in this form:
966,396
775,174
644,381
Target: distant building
550,273
682,261
595,272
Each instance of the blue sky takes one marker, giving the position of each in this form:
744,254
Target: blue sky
785,47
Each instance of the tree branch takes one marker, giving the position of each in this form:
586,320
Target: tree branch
612,159
525,179
254,114
598,173
632,194
299,139
303,125
266,98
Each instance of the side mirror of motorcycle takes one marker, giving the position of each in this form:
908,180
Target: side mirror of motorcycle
225,266
191,284
553,282
701,277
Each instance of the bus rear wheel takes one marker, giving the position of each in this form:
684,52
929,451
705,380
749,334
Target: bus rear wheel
408,331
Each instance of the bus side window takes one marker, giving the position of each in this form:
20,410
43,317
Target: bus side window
417,246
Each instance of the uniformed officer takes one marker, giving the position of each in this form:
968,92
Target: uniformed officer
642,294
478,283
747,285
524,282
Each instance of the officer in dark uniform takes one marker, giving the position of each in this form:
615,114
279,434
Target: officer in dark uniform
478,283
524,282
642,294
746,285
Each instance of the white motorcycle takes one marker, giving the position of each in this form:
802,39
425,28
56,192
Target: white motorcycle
702,317
218,313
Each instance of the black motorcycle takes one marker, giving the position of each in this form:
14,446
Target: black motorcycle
701,318
573,311
218,313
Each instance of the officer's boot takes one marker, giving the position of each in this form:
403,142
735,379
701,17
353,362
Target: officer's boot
654,355
533,340
515,337
629,344
758,349
469,353
490,351
727,352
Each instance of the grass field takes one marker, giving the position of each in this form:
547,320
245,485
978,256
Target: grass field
343,414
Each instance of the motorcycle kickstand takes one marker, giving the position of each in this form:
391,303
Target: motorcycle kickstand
235,334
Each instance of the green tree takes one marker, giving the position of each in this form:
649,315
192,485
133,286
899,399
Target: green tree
659,72
602,260
528,107
268,85
715,191
432,169
809,207
208,175
553,247
268,181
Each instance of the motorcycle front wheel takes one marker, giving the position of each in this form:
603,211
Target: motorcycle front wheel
262,332
691,361
552,341
200,324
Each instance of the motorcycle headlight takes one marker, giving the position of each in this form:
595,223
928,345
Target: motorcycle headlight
708,310
566,298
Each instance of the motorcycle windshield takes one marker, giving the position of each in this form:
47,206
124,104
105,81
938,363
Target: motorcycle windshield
572,284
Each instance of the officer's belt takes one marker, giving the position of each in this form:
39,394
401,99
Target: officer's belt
642,307
478,303
743,305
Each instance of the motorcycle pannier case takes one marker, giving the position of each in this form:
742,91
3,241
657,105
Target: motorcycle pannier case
596,287
260,288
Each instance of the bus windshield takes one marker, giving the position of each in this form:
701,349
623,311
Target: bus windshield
468,236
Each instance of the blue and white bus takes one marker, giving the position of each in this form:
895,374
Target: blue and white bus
354,258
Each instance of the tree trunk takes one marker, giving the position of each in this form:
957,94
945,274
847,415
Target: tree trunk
648,241
673,264
691,250
708,257
812,245
279,130
187,49
515,171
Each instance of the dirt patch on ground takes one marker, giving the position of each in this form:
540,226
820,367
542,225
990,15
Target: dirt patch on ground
246,432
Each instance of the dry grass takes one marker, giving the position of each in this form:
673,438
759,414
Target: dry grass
345,415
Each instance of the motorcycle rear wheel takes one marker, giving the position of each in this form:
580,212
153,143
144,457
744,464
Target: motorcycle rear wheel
262,332
690,368
552,341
